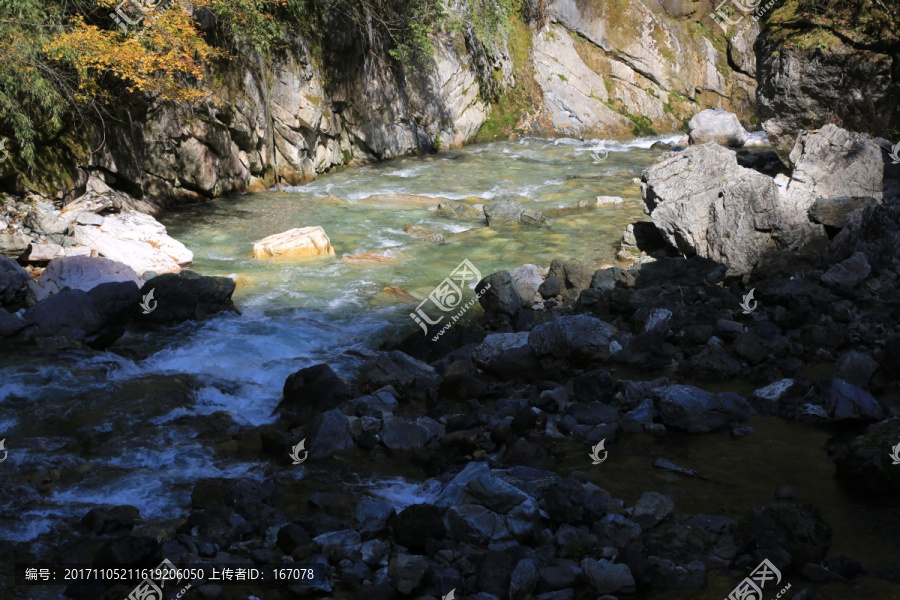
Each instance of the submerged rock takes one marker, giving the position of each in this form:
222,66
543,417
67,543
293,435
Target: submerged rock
298,242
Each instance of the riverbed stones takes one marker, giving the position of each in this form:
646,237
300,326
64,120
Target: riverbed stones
573,276
651,509
299,242
45,222
698,411
13,245
400,370
717,126
457,209
512,211
408,572
186,296
329,435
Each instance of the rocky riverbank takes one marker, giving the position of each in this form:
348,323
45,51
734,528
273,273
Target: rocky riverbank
748,295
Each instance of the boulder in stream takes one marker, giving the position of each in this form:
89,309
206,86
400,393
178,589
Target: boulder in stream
719,126
79,273
185,296
298,242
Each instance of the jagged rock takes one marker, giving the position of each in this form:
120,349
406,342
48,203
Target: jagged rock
399,370
835,212
856,368
14,245
697,411
605,577
528,279
186,296
79,273
579,337
847,401
339,545
314,388
499,293
298,242
459,209
790,535
512,211
705,204
14,282
651,509
769,400
408,572
848,273
329,435
573,277
606,279
719,126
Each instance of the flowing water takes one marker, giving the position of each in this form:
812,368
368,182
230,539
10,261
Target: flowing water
130,426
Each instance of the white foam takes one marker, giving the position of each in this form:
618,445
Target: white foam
402,493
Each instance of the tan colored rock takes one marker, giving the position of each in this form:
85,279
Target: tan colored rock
393,295
298,242
373,256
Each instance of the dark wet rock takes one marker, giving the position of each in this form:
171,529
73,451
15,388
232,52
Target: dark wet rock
409,573
664,573
101,520
559,576
418,523
578,337
329,435
890,358
292,536
186,296
400,370
605,577
458,209
712,364
847,401
502,296
339,545
494,573
593,413
848,273
380,591
373,515
697,411
503,353
856,368
594,385
10,324
550,288
835,212
573,277
523,580
606,279
13,283
652,509
618,530
866,464
400,435
698,538
750,347
375,552
790,535
511,211
315,388
876,233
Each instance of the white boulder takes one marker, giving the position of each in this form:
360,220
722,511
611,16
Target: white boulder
299,242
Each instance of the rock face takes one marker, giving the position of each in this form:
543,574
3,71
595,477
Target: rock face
698,411
299,242
705,204
802,89
717,126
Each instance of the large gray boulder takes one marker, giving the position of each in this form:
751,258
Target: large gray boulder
579,337
832,163
698,411
80,273
704,203
45,222
573,276
14,282
719,126
14,245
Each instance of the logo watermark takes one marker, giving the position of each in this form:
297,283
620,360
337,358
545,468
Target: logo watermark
3,448
448,295
722,13
895,154
599,152
748,298
146,305
895,456
148,590
751,587
295,452
595,452
450,595
145,9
